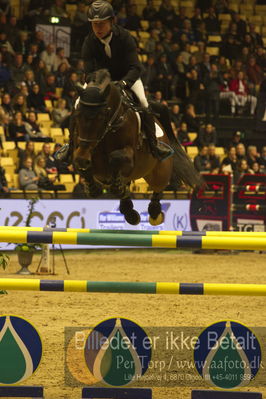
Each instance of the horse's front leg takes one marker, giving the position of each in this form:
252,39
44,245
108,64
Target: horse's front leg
121,165
92,188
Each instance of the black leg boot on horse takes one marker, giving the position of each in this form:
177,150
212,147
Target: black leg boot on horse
158,150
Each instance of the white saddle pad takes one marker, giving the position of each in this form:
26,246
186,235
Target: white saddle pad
158,129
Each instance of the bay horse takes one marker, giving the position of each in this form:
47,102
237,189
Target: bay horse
110,149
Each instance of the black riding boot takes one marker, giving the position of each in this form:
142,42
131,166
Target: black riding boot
158,150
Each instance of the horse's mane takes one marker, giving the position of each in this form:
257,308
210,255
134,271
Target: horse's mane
100,78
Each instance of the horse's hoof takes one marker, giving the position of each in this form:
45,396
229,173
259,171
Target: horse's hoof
133,217
158,220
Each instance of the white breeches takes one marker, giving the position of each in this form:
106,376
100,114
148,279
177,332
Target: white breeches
138,89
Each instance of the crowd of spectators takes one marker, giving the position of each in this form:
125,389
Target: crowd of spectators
190,62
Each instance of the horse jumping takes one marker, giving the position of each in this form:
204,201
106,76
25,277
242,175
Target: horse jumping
110,149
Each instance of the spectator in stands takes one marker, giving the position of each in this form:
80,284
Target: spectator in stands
60,57
213,159
252,155
6,105
58,9
48,56
133,19
165,77
205,67
212,83
6,46
61,75
29,152
175,116
51,164
226,93
199,54
21,43
242,169
28,180
230,48
50,88
254,72
5,7
29,78
20,104
201,161
79,25
261,58
236,139
34,128
221,7
212,22
60,114
46,182
239,87
38,39
3,181
17,69
196,90
70,82
149,12
241,24
201,34
12,29
196,20
150,44
256,167
240,151
34,52
255,36
207,135
40,73
262,160
191,119
17,128
167,14
230,160
80,70
179,79
35,99
149,77
245,55
182,135
70,96
248,42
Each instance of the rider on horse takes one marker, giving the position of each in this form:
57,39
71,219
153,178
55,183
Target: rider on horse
112,47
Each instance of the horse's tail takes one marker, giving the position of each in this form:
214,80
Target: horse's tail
183,169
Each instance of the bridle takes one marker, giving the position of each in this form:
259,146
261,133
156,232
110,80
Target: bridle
111,126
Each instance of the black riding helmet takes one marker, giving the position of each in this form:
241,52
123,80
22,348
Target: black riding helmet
100,10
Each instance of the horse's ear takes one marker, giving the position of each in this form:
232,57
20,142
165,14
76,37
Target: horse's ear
79,88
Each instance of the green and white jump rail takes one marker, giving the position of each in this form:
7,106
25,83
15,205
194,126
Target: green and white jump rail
134,240
142,232
132,287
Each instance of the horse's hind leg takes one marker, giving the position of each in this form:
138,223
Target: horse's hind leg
155,210
130,214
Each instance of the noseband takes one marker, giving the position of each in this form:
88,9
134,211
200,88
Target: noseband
112,125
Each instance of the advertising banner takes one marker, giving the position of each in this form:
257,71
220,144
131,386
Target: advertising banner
93,214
